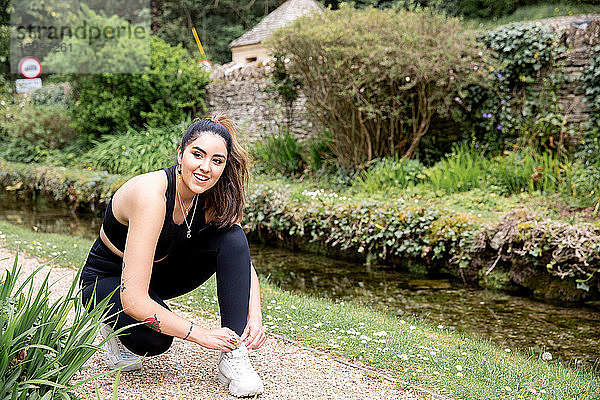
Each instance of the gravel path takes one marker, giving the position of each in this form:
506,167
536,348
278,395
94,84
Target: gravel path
188,371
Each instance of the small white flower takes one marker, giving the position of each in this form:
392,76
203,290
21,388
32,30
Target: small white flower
546,356
507,388
459,374
407,79
459,368
507,350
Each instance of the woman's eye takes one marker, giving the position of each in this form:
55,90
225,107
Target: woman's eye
218,161
197,154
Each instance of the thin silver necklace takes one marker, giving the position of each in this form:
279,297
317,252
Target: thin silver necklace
185,213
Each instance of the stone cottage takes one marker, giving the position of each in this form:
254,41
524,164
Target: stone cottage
248,48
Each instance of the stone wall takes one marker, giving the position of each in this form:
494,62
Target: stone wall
239,90
580,35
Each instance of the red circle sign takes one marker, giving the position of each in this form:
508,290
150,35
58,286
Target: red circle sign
30,67
205,64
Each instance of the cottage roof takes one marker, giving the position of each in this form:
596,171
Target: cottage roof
281,16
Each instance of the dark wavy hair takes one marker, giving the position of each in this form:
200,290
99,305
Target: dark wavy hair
224,202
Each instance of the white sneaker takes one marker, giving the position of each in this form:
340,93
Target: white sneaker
235,370
116,354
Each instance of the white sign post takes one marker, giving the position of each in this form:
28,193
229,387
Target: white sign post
26,85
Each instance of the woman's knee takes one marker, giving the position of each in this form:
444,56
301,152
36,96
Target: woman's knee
147,344
233,240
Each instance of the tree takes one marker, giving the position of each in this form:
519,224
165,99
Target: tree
375,78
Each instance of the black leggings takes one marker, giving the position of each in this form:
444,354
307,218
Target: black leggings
188,265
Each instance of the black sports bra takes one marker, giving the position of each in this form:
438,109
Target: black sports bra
116,232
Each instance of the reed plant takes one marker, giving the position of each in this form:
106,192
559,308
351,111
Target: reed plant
40,350
465,168
280,154
390,173
516,172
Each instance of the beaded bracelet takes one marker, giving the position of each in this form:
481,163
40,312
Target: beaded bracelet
188,334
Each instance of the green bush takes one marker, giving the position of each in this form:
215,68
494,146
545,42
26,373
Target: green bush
37,133
136,151
54,94
40,349
374,78
166,93
388,174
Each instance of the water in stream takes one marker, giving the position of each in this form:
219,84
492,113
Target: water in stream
572,334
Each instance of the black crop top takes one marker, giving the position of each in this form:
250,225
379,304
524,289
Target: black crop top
116,232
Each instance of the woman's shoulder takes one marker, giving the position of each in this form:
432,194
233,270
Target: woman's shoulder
143,189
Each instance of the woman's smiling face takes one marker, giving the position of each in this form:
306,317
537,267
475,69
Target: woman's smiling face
203,161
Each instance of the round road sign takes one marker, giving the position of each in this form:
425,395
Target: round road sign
30,67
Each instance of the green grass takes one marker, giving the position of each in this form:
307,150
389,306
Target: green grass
535,12
410,349
483,203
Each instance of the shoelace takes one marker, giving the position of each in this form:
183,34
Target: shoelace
240,363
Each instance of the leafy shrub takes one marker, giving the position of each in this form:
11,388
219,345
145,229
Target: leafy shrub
465,168
136,151
166,93
390,173
374,78
36,133
41,350
53,94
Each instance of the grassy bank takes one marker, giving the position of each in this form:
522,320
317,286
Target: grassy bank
448,233
408,349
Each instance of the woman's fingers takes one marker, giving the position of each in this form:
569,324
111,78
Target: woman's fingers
256,338
245,334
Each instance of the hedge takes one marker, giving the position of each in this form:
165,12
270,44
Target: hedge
550,259
77,188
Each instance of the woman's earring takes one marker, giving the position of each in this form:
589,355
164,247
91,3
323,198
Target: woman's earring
179,169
